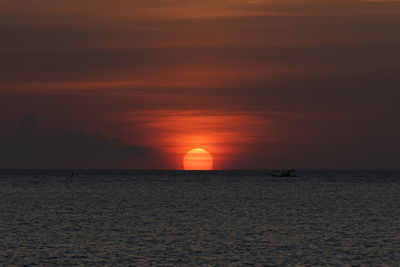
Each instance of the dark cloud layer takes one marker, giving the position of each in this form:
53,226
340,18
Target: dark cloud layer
29,148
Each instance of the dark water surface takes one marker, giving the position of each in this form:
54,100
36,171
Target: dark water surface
325,218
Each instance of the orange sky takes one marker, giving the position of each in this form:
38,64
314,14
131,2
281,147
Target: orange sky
259,83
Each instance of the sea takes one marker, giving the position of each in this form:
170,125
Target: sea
199,218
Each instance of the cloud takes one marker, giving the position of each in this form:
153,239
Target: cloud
30,148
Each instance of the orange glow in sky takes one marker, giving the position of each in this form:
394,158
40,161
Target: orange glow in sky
198,159
174,133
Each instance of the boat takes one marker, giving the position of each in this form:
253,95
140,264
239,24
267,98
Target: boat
286,173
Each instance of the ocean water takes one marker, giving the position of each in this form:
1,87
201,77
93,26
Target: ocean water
221,218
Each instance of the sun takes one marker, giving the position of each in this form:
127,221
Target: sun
198,159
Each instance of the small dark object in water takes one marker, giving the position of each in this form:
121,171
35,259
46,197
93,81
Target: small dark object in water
72,174
288,173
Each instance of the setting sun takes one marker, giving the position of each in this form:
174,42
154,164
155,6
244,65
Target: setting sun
198,159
